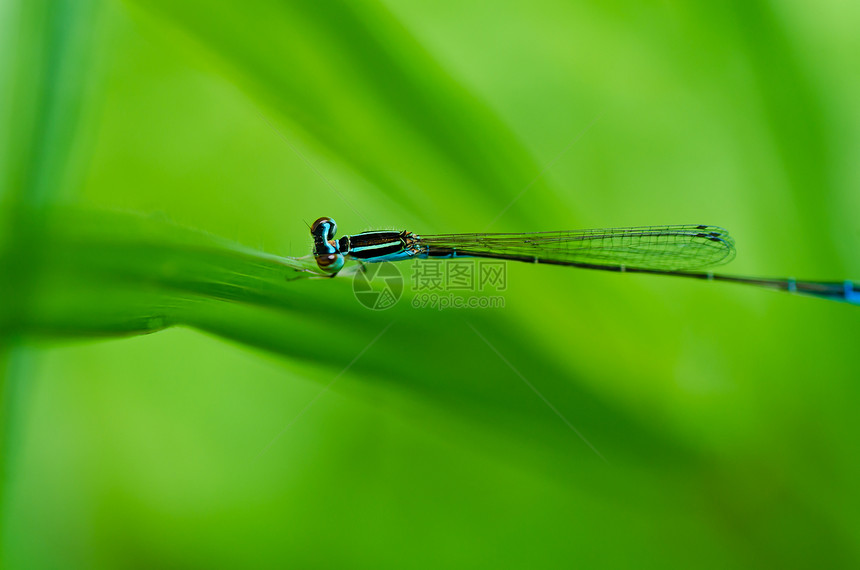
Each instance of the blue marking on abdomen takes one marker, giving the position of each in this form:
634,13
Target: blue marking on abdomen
851,295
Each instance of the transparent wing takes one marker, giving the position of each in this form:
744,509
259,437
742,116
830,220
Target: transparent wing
661,248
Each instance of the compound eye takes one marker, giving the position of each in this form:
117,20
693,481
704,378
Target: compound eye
324,227
330,262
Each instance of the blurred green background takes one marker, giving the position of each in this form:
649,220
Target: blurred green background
313,432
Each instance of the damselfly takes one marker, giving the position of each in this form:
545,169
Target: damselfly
680,251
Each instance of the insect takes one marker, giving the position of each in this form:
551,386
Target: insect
680,251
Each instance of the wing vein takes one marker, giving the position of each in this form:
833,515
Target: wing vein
672,248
